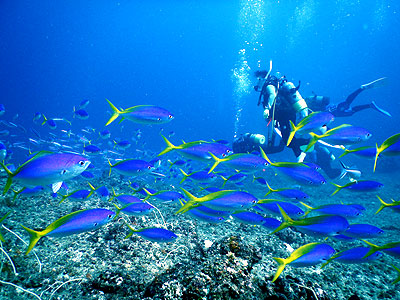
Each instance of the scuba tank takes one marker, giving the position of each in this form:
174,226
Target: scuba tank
292,95
256,138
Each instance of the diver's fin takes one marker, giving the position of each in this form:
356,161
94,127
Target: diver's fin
373,84
377,108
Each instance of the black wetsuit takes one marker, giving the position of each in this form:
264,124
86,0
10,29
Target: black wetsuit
343,109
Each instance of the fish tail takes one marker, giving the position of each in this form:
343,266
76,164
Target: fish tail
384,204
346,151
9,178
92,187
189,204
282,265
116,113
398,278
292,132
45,119
374,248
309,208
378,151
1,220
338,188
114,194
118,210
327,262
265,156
224,179
313,140
169,147
63,198
34,238
131,232
148,194
185,176
217,161
286,223
16,193
109,173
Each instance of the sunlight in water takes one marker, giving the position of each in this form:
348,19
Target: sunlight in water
251,20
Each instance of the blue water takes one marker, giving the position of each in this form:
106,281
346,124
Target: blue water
196,59
182,55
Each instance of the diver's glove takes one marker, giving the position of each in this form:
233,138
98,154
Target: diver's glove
266,114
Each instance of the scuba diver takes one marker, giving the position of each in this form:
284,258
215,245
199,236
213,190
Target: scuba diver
282,102
344,109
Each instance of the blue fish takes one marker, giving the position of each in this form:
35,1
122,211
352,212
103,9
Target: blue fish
131,167
122,144
392,249
344,134
91,150
344,210
87,175
308,255
325,225
297,171
294,194
197,150
105,134
248,217
310,123
73,223
80,114
272,206
394,205
2,109
143,114
45,168
135,209
195,213
240,161
226,200
36,117
84,103
354,256
363,231
153,234
103,192
364,152
359,186
271,223
199,176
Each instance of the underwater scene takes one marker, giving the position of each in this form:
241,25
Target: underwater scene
199,149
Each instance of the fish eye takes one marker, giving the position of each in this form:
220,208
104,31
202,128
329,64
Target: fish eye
299,213
149,167
170,116
95,224
310,182
81,163
380,232
109,216
323,182
63,172
223,154
159,119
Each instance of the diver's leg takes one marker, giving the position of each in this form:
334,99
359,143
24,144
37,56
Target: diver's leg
325,160
358,108
350,98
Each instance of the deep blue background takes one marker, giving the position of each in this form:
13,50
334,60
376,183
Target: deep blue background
181,54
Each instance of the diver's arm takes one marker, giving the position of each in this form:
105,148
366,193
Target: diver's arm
270,95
